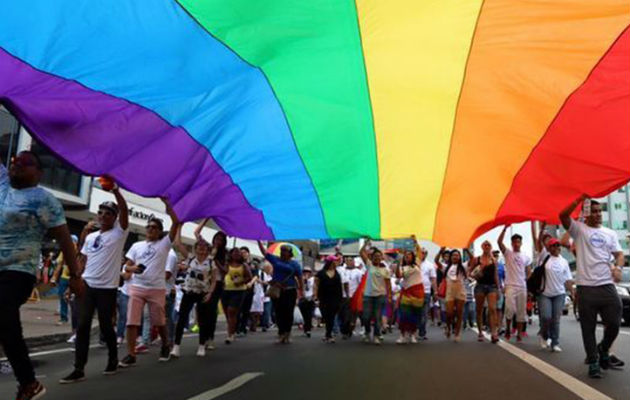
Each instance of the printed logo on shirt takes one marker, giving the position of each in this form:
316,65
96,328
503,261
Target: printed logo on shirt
96,246
148,254
597,240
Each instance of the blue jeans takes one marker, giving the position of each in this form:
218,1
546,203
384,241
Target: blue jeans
170,316
121,302
63,304
424,315
373,310
550,309
266,317
470,313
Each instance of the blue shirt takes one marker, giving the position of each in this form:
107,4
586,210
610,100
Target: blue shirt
501,271
25,217
283,269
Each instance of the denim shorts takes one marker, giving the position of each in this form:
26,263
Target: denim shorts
484,288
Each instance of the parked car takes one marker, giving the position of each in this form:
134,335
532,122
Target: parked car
623,289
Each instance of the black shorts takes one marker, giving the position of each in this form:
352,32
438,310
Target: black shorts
233,298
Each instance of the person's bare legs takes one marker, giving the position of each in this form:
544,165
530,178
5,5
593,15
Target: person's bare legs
459,312
450,310
492,314
480,300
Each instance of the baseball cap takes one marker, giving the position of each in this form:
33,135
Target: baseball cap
332,257
110,206
553,241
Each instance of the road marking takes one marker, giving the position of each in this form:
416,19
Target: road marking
599,328
228,387
574,385
69,349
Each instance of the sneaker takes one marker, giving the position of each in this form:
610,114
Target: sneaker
229,339
112,368
75,376
604,358
542,342
210,345
165,354
594,371
413,339
401,340
508,336
556,349
377,341
519,339
366,339
457,339
308,335
128,361
195,329
615,363
72,339
381,338
32,391
331,340
201,351
142,349
119,341
175,352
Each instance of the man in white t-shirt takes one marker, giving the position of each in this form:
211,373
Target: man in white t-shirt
146,260
517,270
429,281
100,255
598,258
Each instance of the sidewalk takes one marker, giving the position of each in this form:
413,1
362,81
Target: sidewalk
39,323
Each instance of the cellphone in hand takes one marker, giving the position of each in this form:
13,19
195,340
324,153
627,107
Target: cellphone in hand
141,267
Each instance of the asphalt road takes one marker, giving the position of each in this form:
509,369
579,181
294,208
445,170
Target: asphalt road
254,367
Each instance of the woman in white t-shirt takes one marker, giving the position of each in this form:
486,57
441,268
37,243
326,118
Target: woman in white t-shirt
551,302
195,289
455,275
411,299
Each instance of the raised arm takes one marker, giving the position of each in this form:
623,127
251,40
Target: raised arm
438,256
262,248
565,215
123,210
500,239
199,228
174,220
179,246
364,253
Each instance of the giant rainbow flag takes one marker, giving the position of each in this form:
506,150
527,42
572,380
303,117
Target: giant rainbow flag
286,119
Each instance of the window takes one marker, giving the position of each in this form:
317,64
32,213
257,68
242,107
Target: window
622,189
621,206
620,225
604,207
57,174
8,136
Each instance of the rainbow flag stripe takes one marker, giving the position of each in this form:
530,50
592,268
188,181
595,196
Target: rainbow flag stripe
289,119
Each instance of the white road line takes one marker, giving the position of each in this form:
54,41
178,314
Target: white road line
69,349
228,387
599,328
574,385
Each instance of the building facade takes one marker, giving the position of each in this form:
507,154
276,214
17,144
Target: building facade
81,195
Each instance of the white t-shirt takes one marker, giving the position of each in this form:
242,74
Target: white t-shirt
412,275
557,272
308,288
197,276
171,266
594,248
125,287
516,268
354,276
103,251
266,278
428,272
343,273
153,256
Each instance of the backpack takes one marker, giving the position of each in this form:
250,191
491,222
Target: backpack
536,281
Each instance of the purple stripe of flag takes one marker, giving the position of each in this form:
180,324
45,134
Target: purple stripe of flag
101,134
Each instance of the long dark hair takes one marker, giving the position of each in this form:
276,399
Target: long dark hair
327,265
413,260
221,254
460,266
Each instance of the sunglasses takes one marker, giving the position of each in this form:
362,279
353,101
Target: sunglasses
555,245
